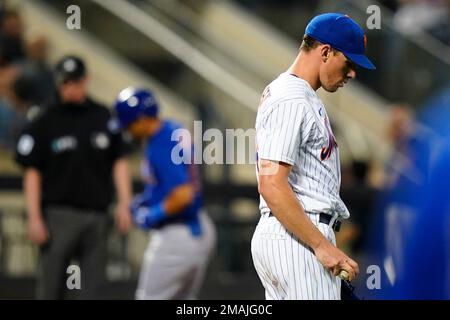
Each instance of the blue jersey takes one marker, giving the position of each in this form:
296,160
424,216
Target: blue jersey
161,175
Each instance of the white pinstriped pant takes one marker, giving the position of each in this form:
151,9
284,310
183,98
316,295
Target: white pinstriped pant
288,269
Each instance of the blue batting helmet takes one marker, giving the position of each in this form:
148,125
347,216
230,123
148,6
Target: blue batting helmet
132,104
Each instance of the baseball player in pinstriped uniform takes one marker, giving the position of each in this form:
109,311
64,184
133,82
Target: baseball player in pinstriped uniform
298,168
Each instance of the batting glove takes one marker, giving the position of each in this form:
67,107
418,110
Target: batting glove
148,217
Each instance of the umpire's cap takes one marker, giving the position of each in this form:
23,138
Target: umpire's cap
342,33
133,103
69,68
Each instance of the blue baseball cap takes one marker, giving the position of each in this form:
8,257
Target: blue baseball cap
343,34
133,103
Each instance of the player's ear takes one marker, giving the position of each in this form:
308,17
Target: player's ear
325,52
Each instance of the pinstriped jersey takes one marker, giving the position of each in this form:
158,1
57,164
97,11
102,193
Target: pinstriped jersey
292,126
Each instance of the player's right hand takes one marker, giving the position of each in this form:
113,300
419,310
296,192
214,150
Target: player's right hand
37,231
335,260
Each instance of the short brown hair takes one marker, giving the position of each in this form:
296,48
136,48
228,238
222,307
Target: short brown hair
309,43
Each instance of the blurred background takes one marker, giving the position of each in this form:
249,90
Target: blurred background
209,60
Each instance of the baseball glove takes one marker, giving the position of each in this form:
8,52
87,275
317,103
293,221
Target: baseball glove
347,291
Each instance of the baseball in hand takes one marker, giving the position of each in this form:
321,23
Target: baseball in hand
343,274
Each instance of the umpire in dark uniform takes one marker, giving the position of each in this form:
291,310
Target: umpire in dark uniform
73,155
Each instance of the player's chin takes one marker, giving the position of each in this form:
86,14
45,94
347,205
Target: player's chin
331,88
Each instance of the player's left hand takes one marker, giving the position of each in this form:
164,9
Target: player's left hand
123,218
146,217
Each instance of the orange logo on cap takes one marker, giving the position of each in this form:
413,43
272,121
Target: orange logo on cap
365,41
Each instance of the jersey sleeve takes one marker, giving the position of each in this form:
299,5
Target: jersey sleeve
169,173
30,148
120,146
278,132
